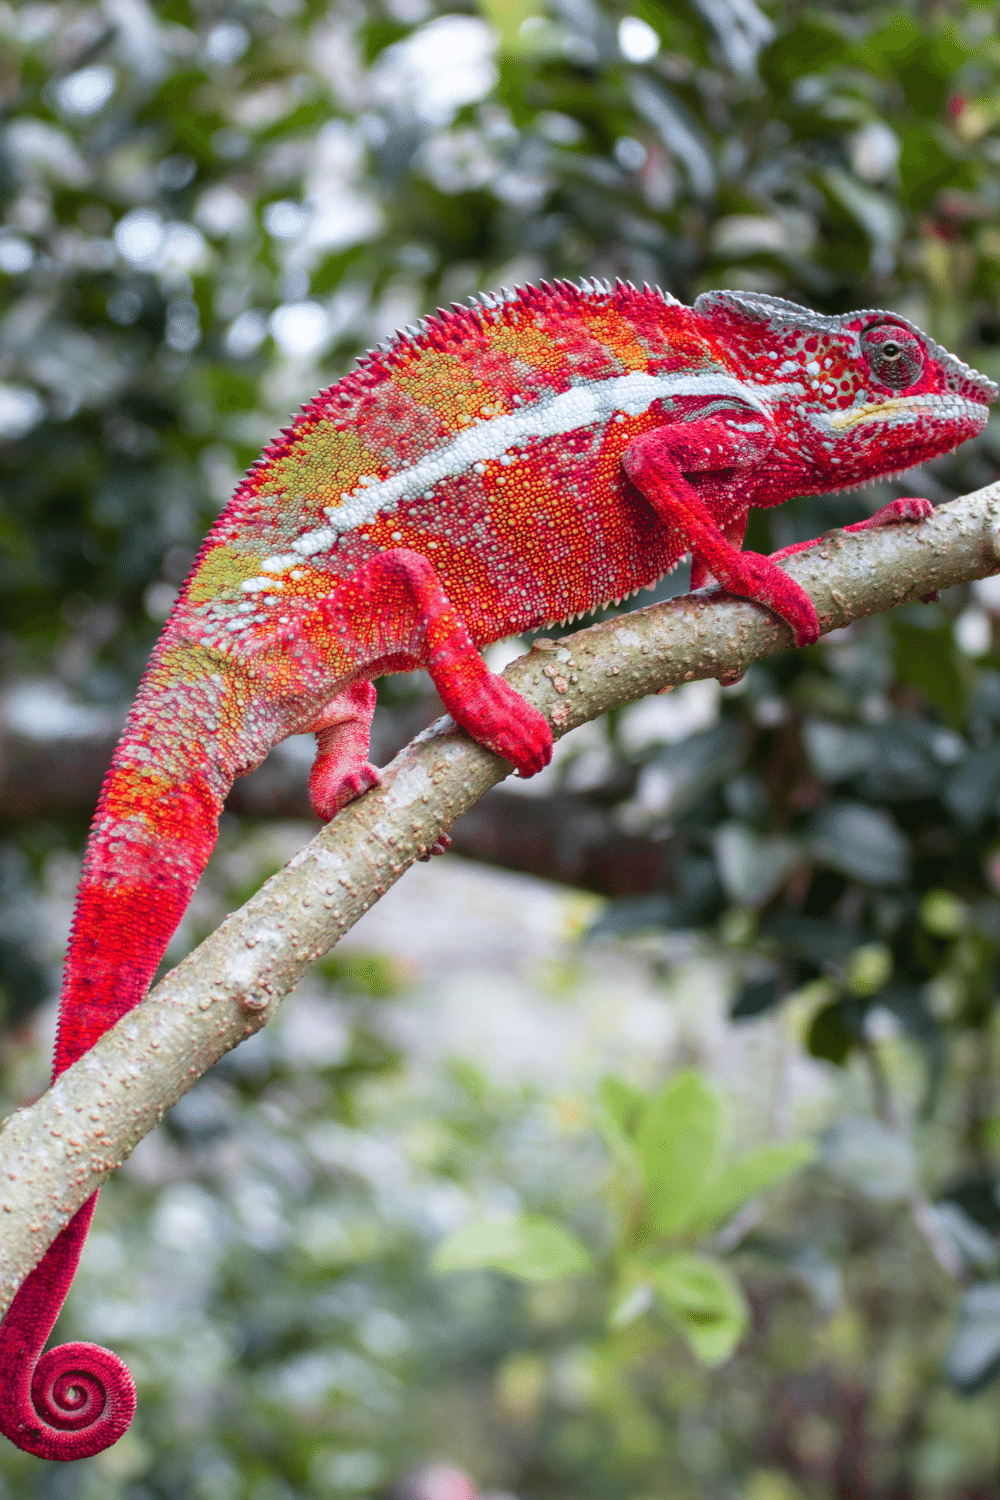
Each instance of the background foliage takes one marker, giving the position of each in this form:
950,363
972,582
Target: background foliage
207,210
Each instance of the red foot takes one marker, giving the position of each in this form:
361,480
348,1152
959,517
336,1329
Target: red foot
913,509
398,597
328,798
497,716
892,514
341,771
754,576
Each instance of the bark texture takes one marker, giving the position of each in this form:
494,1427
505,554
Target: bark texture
54,1153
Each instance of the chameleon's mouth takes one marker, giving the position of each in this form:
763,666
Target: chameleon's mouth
911,409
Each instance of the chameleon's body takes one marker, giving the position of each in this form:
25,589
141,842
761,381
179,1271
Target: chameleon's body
517,463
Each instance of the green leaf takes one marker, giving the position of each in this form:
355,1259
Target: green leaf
705,1302
369,974
751,1176
678,1146
531,1248
830,1036
861,842
507,17
620,1148
812,45
623,1102
927,659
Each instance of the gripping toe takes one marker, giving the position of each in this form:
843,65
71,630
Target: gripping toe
328,794
504,722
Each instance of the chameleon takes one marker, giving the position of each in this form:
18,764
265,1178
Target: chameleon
495,468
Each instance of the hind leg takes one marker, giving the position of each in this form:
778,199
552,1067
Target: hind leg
394,614
342,771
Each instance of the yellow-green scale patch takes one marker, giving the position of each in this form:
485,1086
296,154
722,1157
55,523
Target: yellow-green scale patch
221,572
322,465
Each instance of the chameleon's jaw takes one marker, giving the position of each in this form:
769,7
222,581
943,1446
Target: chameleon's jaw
889,436
944,412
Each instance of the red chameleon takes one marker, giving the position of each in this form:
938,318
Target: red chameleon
501,467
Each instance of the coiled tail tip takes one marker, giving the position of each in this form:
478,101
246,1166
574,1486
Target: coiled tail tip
82,1399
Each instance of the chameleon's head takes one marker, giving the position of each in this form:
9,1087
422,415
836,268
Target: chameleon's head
853,397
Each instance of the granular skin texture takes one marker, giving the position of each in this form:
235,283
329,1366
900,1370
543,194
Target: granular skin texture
501,467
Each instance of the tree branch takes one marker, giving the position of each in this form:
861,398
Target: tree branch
56,1152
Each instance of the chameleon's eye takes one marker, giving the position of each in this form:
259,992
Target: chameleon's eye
895,356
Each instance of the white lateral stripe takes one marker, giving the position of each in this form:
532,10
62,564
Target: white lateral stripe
582,406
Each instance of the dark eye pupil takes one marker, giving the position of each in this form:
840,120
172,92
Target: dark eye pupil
894,362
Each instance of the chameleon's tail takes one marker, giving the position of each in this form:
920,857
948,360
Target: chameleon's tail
153,831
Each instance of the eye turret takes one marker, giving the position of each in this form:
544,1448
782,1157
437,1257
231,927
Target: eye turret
895,355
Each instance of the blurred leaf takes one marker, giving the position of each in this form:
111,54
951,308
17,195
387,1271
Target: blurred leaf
772,1484
371,974
623,1102
756,998
836,751
927,659
878,1162
678,1144
687,770
705,1302
973,1358
925,166
812,43
507,17
831,1034
943,914
678,129
909,1006
976,1246
973,790
24,982
695,900
617,1113
634,914
860,841
751,1176
891,761
978,1196
921,58
620,1148
752,867
868,969
815,939
530,1248
876,213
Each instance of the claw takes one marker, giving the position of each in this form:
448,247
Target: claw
440,845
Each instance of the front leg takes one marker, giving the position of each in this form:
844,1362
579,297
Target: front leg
733,532
724,461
